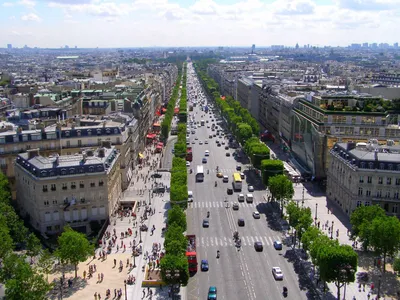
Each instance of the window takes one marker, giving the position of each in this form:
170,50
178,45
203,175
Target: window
67,133
72,171
361,179
379,193
367,203
68,144
369,179
53,187
63,171
380,180
390,166
101,183
382,166
57,227
81,184
64,186
362,165
79,143
359,203
388,180
387,195
368,193
396,195
360,191
394,208
73,185
92,184
371,165
397,181
45,188
48,228
54,201
46,203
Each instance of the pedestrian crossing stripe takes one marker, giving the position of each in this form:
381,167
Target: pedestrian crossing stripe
247,241
221,204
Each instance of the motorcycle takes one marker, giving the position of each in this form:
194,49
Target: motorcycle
285,291
218,254
215,184
208,214
143,227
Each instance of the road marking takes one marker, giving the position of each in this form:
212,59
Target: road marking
216,241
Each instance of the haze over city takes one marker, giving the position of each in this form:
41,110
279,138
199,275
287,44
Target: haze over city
148,23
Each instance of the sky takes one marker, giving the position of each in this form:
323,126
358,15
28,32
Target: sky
195,23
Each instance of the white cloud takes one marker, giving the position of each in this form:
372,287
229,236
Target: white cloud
27,3
204,7
94,8
8,4
31,17
11,17
362,5
294,7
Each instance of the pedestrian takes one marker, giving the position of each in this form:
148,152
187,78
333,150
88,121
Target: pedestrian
148,290
102,277
98,277
115,262
84,274
368,296
95,296
99,296
115,293
95,269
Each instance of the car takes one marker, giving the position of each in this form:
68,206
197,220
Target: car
190,196
238,168
250,188
206,142
258,246
226,147
156,175
188,164
256,215
228,154
219,175
229,191
212,293
193,142
242,175
278,245
193,132
204,265
210,136
277,272
218,145
241,198
196,138
235,206
206,153
187,143
217,141
240,222
200,143
214,135
223,143
225,178
206,224
204,160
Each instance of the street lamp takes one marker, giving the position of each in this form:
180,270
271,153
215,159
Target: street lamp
149,197
172,274
332,231
134,260
316,212
126,296
379,286
140,235
302,198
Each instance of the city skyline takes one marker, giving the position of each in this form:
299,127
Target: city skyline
163,23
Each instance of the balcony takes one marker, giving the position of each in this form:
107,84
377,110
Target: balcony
81,186
64,188
73,187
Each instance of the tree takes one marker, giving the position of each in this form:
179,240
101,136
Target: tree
385,237
16,226
21,281
310,236
338,264
175,247
177,216
73,248
361,219
7,244
45,263
281,188
33,246
171,263
271,168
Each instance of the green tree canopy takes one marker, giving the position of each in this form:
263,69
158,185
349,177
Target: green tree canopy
33,245
175,264
177,216
73,248
310,236
271,168
7,244
281,187
45,263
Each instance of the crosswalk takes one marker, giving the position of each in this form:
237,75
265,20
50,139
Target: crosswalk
221,204
247,241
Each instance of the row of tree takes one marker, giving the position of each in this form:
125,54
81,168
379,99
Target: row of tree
183,101
169,114
175,244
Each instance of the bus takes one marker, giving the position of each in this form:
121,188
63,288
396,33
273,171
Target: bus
200,173
202,123
237,181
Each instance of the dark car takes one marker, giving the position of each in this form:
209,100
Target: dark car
156,175
241,222
235,206
229,191
226,147
204,265
206,224
227,154
238,168
258,246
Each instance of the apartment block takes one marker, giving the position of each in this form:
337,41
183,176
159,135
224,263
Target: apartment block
364,174
74,189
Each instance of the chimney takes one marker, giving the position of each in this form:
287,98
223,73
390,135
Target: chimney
32,153
84,157
101,152
351,146
106,144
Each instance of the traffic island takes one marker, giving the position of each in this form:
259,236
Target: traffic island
152,278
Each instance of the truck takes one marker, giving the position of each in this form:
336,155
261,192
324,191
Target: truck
191,253
189,154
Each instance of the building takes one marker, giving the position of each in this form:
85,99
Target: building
75,189
9,46
320,121
365,174
244,87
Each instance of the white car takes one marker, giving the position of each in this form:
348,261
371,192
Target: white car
256,215
206,153
188,164
200,143
277,272
225,178
206,142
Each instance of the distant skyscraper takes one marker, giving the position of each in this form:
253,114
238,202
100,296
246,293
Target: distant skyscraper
253,47
76,47
396,45
297,45
365,45
66,47
9,46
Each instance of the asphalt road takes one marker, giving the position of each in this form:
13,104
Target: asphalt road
244,274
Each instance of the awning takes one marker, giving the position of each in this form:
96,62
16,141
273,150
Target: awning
151,135
141,155
156,125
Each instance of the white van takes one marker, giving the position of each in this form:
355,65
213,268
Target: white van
190,196
249,198
241,198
